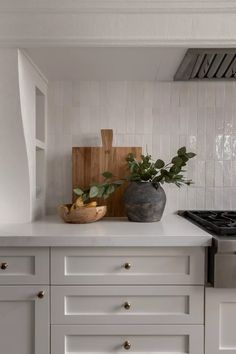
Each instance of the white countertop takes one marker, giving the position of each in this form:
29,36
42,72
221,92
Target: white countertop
172,230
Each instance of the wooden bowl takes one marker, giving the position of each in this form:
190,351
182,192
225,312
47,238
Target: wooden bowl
81,215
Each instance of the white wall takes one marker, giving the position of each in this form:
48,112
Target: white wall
161,116
14,168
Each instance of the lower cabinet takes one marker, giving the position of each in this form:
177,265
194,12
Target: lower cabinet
220,321
24,320
155,339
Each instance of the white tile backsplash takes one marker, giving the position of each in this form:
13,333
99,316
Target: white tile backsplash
160,117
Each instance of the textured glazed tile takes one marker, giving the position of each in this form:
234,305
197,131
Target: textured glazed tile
229,113
226,195
191,171
218,201
192,121
210,173
183,120
233,173
227,153
192,94
67,119
157,111
174,144
175,94
183,198
191,198
233,198
210,198
201,120
200,198
88,93
67,93
219,120
162,94
219,147
219,94
200,173
184,95
164,148
230,95
219,180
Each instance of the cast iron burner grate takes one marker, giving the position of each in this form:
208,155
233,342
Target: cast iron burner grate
220,222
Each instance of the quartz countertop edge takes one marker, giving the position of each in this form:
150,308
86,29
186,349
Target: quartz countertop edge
51,231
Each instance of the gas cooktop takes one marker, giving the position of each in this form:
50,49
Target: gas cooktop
219,222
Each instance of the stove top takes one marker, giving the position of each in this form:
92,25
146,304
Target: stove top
219,222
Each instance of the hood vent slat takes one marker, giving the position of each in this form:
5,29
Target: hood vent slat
207,64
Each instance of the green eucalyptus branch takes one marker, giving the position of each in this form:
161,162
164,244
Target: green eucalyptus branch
100,190
148,170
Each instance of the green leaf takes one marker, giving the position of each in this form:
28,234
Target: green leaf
101,191
111,188
176,169
118,182
85,197
93,192
107,174
78,191
191,155
177,161
159,163
181,151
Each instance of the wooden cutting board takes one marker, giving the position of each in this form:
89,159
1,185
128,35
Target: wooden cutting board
89,162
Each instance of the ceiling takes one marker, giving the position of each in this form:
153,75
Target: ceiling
131,64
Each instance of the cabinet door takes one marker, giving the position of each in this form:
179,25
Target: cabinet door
76,339
220,321
24,320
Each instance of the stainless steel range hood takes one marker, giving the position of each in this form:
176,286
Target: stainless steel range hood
207,64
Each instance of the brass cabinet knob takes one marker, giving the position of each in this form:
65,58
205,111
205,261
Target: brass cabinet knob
127,345
127,266
127,305
41,294
4,265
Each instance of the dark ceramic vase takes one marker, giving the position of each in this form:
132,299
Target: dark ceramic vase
144,202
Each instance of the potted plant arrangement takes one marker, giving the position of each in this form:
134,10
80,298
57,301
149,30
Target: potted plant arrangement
144,198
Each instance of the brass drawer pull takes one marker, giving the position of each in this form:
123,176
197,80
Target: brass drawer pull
127,266
4,265
41,294
127,345
127,305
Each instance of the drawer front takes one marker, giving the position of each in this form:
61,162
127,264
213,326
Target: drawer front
135,339
149,266
127,305
24,266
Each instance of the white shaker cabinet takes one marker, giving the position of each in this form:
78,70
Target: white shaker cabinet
220,332
102,300
113,299
24,320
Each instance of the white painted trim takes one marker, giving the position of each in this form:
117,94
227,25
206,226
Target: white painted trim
115,42
42,76
121,6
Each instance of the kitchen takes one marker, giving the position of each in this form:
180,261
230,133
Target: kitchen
66,73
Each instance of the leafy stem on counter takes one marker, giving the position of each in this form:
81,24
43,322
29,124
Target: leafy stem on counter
100,190
148,170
